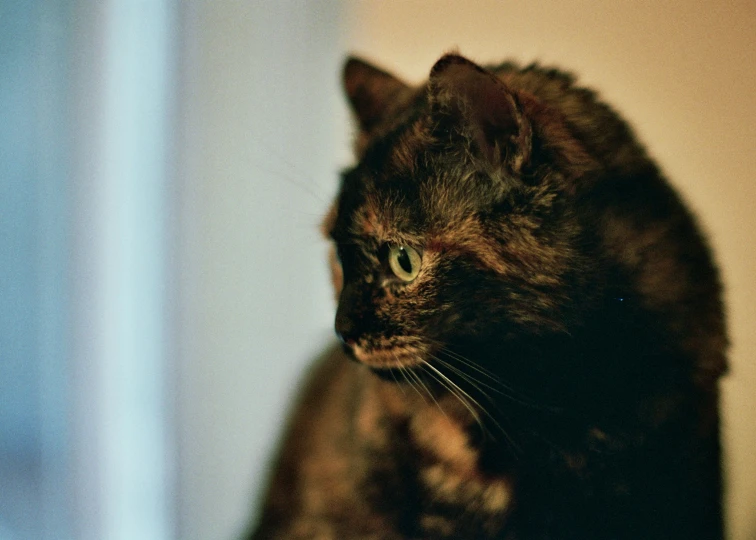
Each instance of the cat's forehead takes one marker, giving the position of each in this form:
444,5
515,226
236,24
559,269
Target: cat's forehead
383,209
400,209
407,184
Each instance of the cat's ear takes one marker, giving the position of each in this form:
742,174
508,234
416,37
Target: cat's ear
371,92
483,108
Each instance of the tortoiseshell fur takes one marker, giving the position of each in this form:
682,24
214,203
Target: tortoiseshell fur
551,372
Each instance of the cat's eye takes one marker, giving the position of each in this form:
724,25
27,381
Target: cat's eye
404,262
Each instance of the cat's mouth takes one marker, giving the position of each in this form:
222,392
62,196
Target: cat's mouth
388,357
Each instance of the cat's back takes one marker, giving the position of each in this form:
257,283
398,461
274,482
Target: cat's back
605,135
639,218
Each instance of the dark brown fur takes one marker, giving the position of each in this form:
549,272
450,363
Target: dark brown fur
552,371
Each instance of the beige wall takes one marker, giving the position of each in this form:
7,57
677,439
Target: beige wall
684,74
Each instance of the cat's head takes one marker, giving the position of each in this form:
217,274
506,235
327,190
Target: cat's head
456,224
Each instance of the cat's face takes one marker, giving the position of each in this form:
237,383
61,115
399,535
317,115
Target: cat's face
443,232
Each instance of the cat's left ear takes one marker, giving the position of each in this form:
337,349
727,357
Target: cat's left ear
483,108
371,92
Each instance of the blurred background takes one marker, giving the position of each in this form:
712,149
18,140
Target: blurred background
164,166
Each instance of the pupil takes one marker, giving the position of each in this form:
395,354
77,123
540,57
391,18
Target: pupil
404,261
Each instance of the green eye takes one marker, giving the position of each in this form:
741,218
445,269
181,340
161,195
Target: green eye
404,262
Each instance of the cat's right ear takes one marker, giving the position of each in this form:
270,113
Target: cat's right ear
371,92
484,107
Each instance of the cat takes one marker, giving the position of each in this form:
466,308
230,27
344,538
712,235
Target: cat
531,327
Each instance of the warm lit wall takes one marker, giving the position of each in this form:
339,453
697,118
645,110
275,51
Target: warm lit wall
684,74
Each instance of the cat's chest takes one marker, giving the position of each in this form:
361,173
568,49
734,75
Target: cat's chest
422,457
452,483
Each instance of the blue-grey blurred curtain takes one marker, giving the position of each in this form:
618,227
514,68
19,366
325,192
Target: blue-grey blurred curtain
85,139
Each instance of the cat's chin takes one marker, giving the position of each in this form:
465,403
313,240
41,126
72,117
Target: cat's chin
387,358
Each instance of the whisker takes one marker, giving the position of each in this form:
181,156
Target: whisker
420,384
476,383
430,394
470,399
504,389
406,375
467,362
451,389
460,394
480,369
285,168
393,376
277,173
